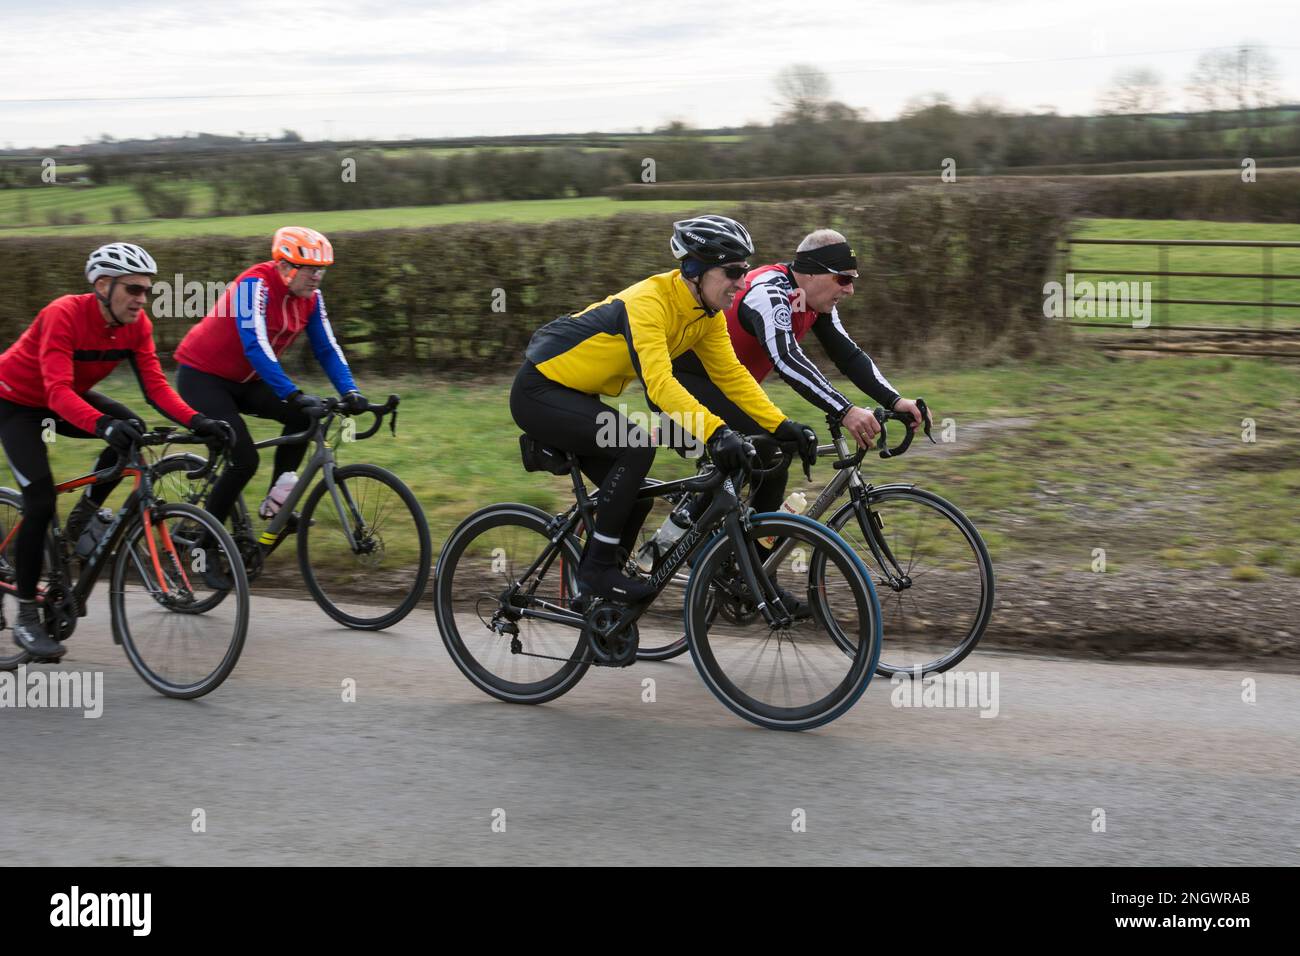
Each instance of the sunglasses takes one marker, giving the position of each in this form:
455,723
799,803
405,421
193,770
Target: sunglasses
137,289
734,272
842,279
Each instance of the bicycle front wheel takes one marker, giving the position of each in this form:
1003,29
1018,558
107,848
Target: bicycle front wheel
157,575
932,573
802,675
364,550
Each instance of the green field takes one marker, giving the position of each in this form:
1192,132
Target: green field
347,220
1143,458
1198,259
36,210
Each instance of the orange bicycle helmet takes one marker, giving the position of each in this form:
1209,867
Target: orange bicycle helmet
301,246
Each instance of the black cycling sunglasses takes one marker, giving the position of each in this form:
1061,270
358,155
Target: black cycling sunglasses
735,271
137,289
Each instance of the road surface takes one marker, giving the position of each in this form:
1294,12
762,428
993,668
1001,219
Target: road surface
421,765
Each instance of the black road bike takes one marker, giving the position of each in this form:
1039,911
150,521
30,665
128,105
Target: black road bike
509,611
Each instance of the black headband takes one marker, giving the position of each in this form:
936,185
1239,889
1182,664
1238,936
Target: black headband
837,257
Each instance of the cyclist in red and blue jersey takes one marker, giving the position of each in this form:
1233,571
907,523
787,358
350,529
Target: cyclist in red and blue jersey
46,379
230,362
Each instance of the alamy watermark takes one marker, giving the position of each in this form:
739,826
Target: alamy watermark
625,427
1098,300
73,690
949,689
130,910
179,299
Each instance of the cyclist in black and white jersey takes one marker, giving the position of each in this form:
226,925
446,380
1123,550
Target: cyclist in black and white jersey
778,305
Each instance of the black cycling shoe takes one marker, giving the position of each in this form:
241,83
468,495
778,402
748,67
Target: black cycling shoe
606,582
212,575
31,636
798,610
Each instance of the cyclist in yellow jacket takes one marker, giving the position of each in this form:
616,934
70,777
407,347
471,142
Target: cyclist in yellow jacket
635,334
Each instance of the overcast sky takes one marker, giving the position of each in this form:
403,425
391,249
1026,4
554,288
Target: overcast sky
360,69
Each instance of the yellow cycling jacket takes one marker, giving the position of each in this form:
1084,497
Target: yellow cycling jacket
637,333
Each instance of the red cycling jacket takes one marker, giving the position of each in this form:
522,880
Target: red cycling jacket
69,349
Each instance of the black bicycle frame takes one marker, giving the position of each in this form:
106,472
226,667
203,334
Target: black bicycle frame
724,509
60,575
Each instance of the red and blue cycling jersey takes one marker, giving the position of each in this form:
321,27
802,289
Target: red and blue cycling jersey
252,323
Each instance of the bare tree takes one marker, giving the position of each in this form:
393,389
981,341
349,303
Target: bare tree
802,89
1207,86
1139,90
1243,78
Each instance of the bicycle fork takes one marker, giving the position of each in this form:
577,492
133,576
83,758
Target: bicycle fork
873,530
769,601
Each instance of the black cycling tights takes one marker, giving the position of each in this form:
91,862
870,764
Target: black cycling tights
224,400
23,434
612,452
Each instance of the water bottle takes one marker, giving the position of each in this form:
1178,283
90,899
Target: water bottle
795,504
95,529
674,526
280,492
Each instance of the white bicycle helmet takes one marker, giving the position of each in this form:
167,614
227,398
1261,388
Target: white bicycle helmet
119,259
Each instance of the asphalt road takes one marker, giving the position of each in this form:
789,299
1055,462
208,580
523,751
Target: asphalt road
417,769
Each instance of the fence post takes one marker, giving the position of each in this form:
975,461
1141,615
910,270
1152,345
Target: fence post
1164,292
1268,287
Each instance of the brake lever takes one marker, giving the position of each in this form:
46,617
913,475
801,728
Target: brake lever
881,416
925,419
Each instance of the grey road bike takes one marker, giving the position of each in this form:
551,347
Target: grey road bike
930,567
363,541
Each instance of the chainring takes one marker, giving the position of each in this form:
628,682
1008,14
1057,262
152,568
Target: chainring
598,623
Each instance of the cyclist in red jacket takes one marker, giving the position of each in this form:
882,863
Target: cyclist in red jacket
47,377
230,362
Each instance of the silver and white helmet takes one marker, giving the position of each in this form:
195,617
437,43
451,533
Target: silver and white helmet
119,259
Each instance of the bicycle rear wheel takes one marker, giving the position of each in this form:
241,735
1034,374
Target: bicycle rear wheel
173,484
156,574
483,578
375,578
932,573
796,677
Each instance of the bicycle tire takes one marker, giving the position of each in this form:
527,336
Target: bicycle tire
123,632
532,520
863,657
424,560
984,607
